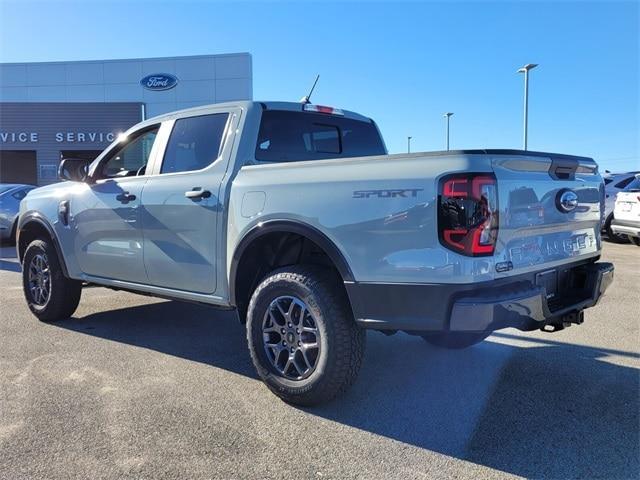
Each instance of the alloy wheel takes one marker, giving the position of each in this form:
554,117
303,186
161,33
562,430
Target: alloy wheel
39,279
291,338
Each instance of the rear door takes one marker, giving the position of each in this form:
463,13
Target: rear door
181,204
550,209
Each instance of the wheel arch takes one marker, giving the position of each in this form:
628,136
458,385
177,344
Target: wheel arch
32,226
262,231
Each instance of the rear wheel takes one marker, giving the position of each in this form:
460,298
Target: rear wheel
50,295
614,237
455,340
303,340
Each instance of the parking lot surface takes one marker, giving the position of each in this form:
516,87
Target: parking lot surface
140,388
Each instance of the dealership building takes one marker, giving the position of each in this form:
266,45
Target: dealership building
75,109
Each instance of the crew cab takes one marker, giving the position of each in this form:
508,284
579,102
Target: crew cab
294,215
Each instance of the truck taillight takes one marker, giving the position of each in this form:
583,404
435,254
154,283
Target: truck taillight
468,213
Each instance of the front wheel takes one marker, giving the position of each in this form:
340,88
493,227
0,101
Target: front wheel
455,340
303,340
50,295
635,240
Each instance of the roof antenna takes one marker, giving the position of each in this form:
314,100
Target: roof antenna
307,99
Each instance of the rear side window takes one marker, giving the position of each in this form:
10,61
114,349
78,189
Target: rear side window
287,136
624,182
633,186
195,143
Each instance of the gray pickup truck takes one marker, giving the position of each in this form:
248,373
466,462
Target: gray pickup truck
295,216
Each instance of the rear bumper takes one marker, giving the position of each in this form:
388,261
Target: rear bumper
514,302
625,227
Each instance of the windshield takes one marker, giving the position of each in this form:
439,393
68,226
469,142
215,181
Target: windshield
5,188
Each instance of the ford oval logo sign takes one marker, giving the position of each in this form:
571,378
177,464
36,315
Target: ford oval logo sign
159,81
566,200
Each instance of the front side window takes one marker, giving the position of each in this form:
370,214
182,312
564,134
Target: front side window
195,143
131,159
287,136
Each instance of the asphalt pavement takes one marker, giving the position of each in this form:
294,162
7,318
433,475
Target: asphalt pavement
140,388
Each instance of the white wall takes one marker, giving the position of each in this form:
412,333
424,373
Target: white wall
201,80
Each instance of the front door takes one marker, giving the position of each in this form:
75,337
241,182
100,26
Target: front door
106,215
181,205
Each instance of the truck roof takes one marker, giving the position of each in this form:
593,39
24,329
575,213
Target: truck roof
269,105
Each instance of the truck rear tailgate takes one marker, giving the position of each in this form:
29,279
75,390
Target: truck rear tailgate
549,211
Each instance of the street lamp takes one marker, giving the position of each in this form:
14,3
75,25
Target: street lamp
448,116
525,70
409,144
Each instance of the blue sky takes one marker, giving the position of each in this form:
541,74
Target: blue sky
404,64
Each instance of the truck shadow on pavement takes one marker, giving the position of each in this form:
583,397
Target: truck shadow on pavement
547,409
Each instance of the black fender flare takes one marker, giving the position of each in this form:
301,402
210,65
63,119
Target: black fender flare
35,217
287,226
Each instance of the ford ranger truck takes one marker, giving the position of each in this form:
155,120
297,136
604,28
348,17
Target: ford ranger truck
295,216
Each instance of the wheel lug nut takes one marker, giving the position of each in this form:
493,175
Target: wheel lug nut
282,330
293,349
289,324
284,343
299,344
297,330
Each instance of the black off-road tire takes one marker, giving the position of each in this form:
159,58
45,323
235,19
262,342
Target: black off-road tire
634,240
614,237
64,294
341,341
455,340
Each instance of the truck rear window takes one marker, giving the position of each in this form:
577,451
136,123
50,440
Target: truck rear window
287,136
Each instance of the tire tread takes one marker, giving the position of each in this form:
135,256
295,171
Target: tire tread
349,339
65,292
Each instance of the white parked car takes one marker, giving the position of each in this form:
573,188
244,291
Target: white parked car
626,213
614,183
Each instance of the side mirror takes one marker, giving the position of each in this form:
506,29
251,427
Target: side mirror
74,169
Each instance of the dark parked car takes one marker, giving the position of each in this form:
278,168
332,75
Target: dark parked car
10,196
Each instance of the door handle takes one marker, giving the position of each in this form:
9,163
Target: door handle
125,197
197,193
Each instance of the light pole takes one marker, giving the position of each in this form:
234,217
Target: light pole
409,144
448,116
525,70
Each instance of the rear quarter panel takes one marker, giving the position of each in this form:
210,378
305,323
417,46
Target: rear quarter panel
384,236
